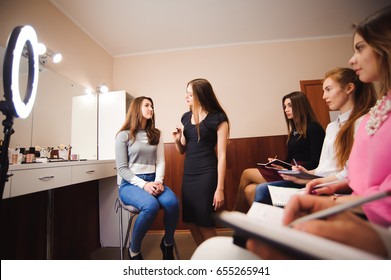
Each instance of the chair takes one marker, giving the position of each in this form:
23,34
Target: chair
133,211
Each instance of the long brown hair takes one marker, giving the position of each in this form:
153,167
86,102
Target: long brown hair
302,114
205,97
376,31
134,118
364,96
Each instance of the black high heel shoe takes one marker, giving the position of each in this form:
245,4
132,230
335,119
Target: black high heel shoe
167,251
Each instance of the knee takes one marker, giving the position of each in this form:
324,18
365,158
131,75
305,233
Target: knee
151,208
261,193
172,204
246,174
250,189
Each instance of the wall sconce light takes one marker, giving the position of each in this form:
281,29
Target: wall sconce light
44,53
41,48
56,57
102,88
88,91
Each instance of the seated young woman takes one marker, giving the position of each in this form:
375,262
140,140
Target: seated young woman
305,139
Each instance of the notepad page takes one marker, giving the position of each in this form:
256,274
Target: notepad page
266,213
281,195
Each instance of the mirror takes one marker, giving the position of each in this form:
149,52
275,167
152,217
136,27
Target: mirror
50,122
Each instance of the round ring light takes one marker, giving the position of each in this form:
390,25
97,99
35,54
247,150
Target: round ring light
21,36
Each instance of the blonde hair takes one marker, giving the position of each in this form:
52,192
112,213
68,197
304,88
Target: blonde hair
364,96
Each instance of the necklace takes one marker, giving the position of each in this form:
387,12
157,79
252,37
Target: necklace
378,114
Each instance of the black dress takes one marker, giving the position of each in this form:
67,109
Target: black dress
200,169
306,151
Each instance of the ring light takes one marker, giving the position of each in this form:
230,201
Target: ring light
21,36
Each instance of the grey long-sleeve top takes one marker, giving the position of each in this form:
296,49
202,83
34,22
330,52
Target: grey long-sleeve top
138,157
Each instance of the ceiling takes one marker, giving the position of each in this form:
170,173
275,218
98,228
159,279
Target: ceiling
128,27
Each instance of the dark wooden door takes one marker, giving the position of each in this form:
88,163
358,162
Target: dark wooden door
313,89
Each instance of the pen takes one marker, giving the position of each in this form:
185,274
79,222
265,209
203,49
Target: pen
295,162
340,207
326,184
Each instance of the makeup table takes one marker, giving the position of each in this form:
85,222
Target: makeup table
36,177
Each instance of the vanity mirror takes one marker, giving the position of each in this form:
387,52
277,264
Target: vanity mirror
50,122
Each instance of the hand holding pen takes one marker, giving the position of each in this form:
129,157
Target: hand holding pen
271,159
330,211
339,226
316,187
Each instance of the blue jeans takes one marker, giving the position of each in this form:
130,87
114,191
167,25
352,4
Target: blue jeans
149,206
262,194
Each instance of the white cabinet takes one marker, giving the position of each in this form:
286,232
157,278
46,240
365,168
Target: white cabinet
106,110
30,178
112,111
84,131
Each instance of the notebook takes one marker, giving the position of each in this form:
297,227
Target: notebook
281,195
264,222
299,174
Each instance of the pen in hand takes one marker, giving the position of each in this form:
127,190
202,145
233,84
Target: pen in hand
340,207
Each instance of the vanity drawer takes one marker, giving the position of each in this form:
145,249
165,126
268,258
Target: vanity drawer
35,180
88,172
110,169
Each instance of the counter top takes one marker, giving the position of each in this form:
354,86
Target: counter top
24,166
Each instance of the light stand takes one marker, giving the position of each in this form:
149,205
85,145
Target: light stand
13,106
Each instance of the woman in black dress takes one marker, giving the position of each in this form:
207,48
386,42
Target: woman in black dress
305,140
203,140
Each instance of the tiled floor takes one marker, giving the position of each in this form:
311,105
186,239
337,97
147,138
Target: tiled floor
150,247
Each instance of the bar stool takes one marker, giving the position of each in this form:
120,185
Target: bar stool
133,211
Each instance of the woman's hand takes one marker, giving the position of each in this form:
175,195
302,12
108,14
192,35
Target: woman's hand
154,188
218,199
177,135
345,228
311,188
294,179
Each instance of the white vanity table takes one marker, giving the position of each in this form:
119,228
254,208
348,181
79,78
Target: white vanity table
45,178
35,177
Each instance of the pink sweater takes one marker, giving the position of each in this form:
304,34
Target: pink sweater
369,168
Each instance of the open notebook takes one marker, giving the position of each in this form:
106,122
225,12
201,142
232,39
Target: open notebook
281,195
299,174
264,222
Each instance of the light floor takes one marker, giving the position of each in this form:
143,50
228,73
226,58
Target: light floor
151,246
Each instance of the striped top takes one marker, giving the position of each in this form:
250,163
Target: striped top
138,157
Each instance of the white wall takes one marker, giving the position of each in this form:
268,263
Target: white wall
249,80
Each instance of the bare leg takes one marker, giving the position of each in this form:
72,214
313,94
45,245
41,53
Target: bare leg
196,233
249,193
208,232
249,176
200,234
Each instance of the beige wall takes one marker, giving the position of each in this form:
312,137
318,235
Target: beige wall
84,61
249,80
